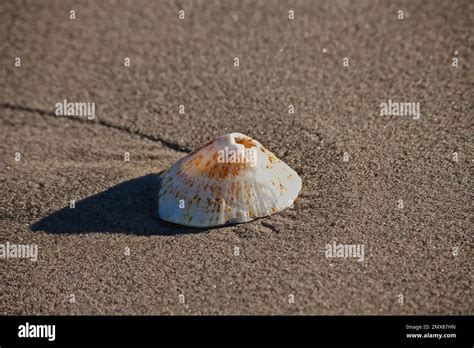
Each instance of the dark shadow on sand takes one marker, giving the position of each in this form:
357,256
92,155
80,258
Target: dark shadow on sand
130,207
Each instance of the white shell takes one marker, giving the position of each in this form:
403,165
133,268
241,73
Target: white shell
232,179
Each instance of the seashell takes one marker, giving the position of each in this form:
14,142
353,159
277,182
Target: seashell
232,179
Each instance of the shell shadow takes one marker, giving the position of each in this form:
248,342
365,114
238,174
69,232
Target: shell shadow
129,207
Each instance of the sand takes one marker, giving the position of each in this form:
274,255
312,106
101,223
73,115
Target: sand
397,185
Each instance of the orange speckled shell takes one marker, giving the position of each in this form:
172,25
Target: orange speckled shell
207,188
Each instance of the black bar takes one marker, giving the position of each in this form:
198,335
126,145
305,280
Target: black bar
290,330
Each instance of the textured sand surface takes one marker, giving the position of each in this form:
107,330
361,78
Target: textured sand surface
408,251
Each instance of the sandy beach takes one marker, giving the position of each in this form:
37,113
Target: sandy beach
83,188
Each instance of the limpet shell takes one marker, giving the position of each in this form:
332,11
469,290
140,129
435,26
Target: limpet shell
232,179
